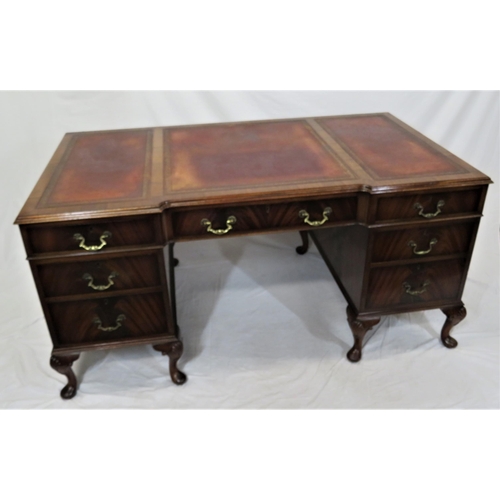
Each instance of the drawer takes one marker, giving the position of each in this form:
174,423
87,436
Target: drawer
305,214
109,319
94,276
416,284
424,241
92,237
428,206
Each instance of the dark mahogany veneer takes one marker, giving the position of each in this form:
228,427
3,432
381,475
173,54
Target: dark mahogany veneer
393,214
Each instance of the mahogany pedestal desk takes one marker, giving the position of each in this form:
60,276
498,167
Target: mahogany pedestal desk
393,215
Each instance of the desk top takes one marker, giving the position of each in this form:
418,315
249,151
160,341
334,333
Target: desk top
126,172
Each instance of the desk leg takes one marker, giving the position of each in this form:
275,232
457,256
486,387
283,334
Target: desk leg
453,316
62,364
302,249
174,351
359,327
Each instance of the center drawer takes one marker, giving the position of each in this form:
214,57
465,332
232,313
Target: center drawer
93,276
307,214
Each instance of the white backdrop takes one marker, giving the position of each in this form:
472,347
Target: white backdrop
262,327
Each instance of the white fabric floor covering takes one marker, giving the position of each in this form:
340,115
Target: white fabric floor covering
262,326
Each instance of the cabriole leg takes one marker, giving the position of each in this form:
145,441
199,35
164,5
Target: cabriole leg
302,249
174,351
62,364
453,316
359,328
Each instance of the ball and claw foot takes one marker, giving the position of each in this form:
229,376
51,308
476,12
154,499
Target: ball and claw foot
359,328
174,351
62,365
453,316
302,249
175,262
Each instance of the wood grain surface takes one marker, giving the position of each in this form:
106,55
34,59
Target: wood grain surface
393,214
142,171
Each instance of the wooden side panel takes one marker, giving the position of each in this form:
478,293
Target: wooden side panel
344,250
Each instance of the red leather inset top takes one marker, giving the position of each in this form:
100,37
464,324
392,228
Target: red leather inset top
103,166
385,149
249,154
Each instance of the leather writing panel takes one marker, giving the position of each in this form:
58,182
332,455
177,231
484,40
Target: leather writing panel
250,154
387,150
103,166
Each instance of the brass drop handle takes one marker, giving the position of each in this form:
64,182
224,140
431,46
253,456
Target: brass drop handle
229,225
121,318
92,248
100,288
409,291
420,208
304,215
422,252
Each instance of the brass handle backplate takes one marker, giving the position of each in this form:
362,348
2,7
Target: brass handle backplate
229,225
304,215
420,209
121,318
409,291
92,248
422,252
100,288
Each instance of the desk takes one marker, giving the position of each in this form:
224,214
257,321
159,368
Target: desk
393,215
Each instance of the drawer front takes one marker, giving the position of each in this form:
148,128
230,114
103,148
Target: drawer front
242,219
428,206
92,237
424,241
110,319
94,276
416,284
